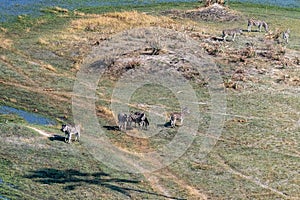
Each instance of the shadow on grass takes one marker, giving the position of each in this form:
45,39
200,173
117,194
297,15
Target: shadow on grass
73,178
116,128
57,138
166,125
112,128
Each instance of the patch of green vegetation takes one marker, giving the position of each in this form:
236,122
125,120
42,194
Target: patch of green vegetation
154,8
267,10
34,167
278,18
22,99
9,118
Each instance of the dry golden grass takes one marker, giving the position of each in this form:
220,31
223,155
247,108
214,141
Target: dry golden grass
56,10
104,111
89,29
5,43
59,9
49,67
42,41
118,21
3,29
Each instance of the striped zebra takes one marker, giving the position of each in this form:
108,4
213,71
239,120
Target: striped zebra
286,35
140,119
258,23
178,116
69,131
123,120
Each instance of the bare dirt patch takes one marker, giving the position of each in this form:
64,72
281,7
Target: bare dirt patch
215,12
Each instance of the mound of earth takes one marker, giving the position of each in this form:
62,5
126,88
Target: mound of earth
215,12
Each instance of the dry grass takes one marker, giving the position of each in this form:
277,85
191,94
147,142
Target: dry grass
42,41
118,21
5,42
56,10
49,67
104,112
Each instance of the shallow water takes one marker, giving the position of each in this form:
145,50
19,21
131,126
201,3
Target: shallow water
12,8
9,185
31,118
3,198
282,3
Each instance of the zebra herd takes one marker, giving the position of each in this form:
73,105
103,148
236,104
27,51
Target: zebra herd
125,120
251,23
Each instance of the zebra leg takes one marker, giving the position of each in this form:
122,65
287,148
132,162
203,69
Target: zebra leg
120,126
173,123
70,138
66,137
76,137
142,124
233,37
249,28
259,26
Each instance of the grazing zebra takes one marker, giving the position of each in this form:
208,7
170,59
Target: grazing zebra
139,118
178,116
144,123
257,23
69,131
286,35
123,119
231,32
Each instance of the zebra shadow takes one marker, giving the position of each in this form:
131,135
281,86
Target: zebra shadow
116,128
252,30
165,125
217,38
57,138
111,128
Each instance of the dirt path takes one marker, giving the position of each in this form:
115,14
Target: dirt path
41,132
156,186
154,177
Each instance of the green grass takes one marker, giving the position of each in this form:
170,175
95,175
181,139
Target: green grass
277,18
35,167
154,8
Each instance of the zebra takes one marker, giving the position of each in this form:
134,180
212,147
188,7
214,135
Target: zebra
178,116
258,23
144,123
139,118
69,131
123,119
231,32
286,35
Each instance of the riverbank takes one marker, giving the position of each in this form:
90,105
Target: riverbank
10,10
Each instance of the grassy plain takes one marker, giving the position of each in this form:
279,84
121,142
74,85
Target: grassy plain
256,157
